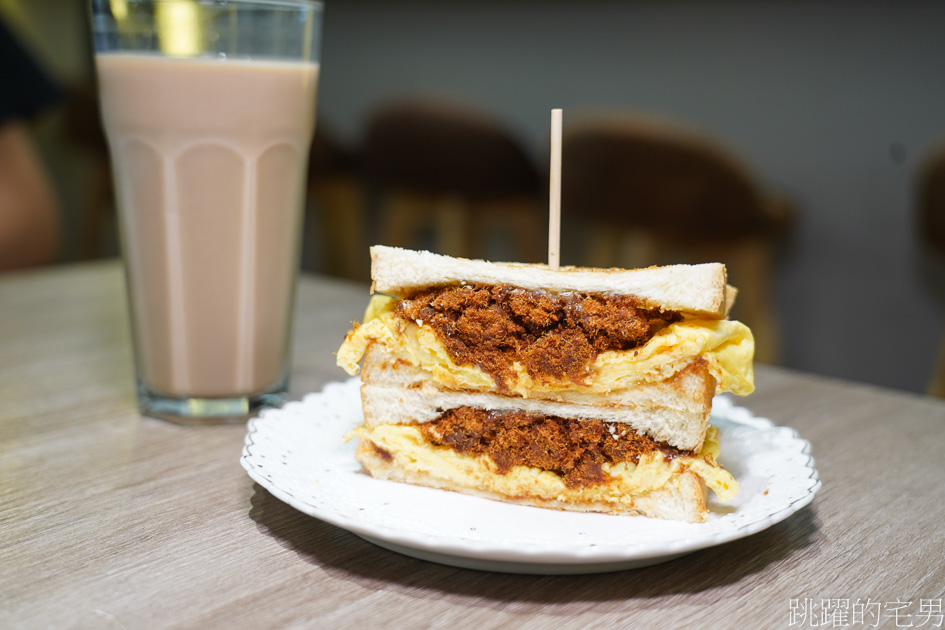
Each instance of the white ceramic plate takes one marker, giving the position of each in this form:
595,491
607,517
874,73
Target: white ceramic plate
297,453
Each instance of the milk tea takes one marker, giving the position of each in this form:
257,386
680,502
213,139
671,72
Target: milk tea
209,159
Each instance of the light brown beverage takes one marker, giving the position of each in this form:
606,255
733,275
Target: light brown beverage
210,158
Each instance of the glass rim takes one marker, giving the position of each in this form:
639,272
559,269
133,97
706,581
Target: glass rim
293,4
163,26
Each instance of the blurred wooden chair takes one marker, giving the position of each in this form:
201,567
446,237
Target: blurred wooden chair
654,192
82,129
455,172
931,206
338,207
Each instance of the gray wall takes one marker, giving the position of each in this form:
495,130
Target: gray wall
833,103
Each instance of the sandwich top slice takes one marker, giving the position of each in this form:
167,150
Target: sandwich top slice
498,330
696,289
575,389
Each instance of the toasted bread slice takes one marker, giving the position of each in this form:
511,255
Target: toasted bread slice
675,411
682,497
698,290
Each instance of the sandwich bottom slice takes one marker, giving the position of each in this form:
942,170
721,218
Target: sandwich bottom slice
549,454
613,472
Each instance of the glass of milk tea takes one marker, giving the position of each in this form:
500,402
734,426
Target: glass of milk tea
209,110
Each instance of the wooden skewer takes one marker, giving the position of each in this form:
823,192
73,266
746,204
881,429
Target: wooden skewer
554,206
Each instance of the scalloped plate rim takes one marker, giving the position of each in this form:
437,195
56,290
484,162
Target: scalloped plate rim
537,557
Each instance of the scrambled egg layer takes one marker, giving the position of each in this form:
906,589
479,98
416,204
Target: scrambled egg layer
413,453
727,346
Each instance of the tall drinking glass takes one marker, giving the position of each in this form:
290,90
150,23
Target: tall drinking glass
209,110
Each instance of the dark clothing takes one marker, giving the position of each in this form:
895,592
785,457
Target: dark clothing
25,89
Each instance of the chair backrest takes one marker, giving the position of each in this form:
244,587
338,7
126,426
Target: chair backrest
655,192
82,122
931,198
329,157
437,146
635,171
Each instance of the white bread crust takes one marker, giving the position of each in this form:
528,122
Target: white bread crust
693,289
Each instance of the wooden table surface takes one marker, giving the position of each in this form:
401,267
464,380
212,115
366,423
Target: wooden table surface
111,520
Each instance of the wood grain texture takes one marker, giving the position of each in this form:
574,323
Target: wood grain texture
110,520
